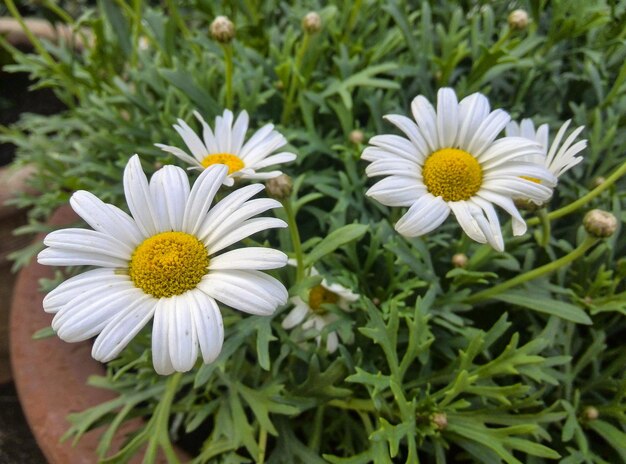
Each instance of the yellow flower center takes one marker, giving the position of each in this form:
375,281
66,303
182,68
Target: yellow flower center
452,174
318,296
168,264
233,162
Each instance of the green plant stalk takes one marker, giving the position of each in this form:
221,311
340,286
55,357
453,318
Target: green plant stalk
262,445
354,404
538,272
228,68
295,238
582,201
293,82
159,423
31,37
542,214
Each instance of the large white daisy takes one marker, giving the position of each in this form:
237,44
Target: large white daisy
558,157
452,161
226,146
161,264
312,315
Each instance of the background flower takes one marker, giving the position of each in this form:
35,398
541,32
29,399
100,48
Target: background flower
226,146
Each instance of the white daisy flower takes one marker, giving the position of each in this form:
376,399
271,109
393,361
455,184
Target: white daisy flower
557,158
312,315
452,161
226,146
161,263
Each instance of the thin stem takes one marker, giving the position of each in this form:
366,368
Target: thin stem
294,81
582,201
31,37
228,66
354,404
262,445
542,214
538,272
295,238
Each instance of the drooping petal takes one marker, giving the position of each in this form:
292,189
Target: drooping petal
183,343
297,314
161,359
425,215
209,326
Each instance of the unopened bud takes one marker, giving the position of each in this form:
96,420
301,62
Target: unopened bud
439,420
356,136
222,29
600,224
312,22
598,181
518,20
459,260
279,187
591,413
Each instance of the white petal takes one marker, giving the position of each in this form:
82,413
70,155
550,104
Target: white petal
447,117
249,258
170,189
122,329
191,139
79,284
106,218
88,241
397,145
182,332
138,197
426,214
177,152
472,111
201,196
278,158
489,223
332,342
60,257
426,118
462,212
209,138
392,167
209,326
252,292
508,149
297,314
487,132
239,132
257,138
247,228
412,132
161,359
519,226
255,154
397,191
517,187
223,131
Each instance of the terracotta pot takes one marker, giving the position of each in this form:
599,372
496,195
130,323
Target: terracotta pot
42,29
50,375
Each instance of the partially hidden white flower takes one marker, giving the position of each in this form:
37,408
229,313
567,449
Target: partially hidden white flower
162,264
557,158
452,162
312,315
226,146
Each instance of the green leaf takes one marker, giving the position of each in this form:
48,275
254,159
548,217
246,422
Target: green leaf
546,305
334,240
612,435
46,332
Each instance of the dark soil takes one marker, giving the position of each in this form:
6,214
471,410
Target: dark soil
17,445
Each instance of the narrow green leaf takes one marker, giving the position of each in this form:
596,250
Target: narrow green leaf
334,240
545,305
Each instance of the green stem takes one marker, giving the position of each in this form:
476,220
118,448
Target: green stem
295,238
160,420
582,201
262,445
542,214
294,81
354,404
228,66
538,272
31,37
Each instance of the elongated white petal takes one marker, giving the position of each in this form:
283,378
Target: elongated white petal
106,218
223,131
247,228
397,191
473,109
467,220
297,315
396,145
278,158
426,119
161,359
489,223
209,326
487,132
249,258
170,189
86,241
239,132
209,138
60,257
177,152
411,130
426,214
249,291
519,225
447,117
392,167
191,139
201,197
182,337
138,197
122,329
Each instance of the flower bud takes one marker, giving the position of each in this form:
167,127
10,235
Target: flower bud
518,20
600,224
279,187
222,29
598,181
312,22
439,420
526,205
356,136
459,260
590,413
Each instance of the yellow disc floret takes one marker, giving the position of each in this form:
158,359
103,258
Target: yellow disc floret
452,174
233,162
168,264
318,296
